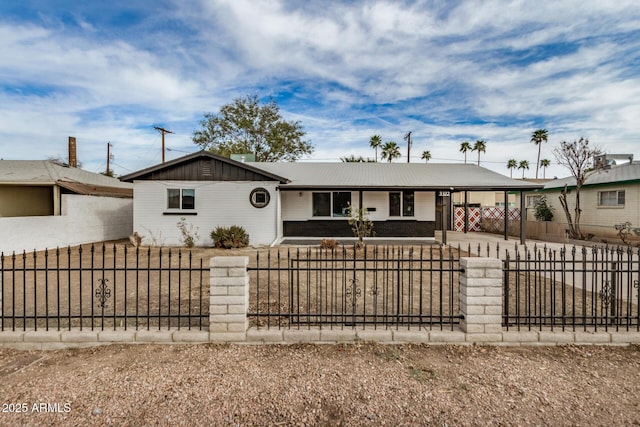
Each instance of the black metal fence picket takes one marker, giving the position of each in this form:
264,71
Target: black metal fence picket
100,287
378,286
577,289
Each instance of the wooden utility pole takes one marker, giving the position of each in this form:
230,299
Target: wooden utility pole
407,138
163,131
108,173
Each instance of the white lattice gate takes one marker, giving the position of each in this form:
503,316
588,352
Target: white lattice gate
490,219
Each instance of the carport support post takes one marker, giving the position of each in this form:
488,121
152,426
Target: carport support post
481,298
229,299
523,215
444,218
506,215
466,213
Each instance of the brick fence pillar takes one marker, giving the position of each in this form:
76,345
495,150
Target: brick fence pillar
229,299
481,298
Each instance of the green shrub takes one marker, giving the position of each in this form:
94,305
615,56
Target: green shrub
543,212
230,237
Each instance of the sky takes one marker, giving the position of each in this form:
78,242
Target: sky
446,70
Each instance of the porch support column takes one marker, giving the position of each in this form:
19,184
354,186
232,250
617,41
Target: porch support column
506,215
360,199
445,213
522,219
466,213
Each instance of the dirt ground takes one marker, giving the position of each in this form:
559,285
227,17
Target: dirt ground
359,384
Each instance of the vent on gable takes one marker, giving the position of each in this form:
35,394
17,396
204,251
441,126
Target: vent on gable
206,169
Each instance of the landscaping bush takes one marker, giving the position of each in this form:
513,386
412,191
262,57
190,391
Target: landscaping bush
188,232
230,237
543,212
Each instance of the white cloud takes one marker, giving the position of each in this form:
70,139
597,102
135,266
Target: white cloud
495,70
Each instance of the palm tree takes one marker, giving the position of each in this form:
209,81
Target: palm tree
544,164
511,165
538,137
390,151
426,155
375,142
481,147
464,147
524,164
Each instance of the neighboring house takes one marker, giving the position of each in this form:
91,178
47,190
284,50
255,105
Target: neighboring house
609,196
45,205
276,201
485,199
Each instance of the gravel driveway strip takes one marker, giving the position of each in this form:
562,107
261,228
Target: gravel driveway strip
356,384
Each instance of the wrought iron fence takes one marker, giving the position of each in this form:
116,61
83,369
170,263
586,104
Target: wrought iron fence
576,289
348,287
103,287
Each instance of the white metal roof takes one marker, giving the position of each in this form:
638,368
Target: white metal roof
392,175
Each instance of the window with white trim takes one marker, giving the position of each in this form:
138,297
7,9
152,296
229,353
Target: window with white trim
331,203
611,198
181,198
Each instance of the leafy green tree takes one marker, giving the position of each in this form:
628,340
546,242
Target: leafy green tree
426,156
246,126
524,164
481,147
538,137
511,165
576,156
375,142
390,151
464,147
544,164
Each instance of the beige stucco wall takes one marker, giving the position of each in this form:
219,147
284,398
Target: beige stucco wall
597,220
486,198
26,201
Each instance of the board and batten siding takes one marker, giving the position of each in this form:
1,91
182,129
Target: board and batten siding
217,203
297,205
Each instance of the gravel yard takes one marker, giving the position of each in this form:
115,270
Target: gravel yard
359,384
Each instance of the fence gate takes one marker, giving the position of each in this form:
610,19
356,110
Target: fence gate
349,287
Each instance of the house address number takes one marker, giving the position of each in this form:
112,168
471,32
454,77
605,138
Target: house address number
444,193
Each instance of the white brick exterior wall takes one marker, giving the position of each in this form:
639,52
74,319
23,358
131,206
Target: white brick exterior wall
217,203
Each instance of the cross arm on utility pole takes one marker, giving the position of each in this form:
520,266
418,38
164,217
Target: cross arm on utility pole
163,131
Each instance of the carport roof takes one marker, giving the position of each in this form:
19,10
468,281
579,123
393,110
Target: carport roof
44,172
